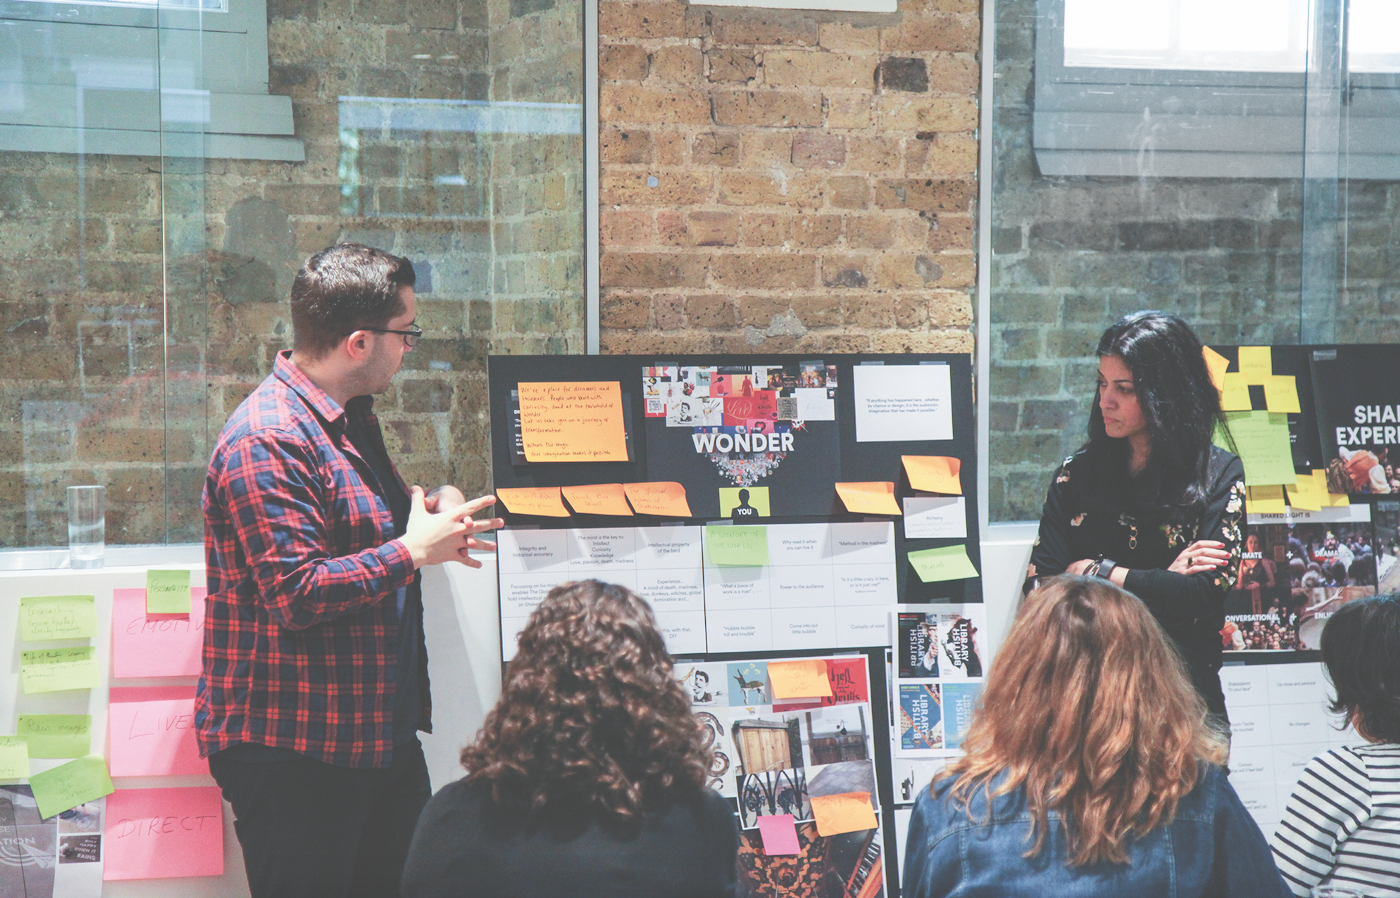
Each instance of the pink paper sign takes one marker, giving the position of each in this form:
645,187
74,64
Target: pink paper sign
779,835
163,833
155,645
151,732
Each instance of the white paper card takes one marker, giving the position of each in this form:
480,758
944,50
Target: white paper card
900,403
935,517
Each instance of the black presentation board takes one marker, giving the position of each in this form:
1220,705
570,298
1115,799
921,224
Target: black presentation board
800,491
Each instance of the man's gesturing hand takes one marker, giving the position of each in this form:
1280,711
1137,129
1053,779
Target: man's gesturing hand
448,532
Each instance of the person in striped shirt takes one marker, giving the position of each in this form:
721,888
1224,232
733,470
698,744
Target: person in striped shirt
1342,825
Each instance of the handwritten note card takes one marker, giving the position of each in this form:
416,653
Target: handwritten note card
935,517
868,498
145,646
57,617
1281,394
152,732
599,498
1256,363
54,670
1264,499
56,735
848,812
168,592
737,546
536,500
662,498
573,421
164,833
69,785
1234,394
897,403
799,679
14,758
945,563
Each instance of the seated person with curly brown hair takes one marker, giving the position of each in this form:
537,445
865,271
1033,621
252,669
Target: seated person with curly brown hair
587,778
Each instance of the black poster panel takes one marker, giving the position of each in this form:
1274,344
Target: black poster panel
1357,393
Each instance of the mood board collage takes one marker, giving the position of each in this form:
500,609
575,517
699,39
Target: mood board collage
805,529
1318,429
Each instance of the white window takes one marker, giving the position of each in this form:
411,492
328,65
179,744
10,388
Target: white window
187,78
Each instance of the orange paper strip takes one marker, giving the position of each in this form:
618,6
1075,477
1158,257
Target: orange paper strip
799,679
663,498
934,473
868,498
598,498
540,500
848,812
572,421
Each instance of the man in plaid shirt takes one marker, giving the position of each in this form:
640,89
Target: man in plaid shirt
315,678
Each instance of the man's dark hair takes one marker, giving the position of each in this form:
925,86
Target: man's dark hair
342,289
1361,649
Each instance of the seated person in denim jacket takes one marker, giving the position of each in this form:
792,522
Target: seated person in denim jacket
1090,770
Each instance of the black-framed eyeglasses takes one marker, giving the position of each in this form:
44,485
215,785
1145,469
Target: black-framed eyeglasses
410,337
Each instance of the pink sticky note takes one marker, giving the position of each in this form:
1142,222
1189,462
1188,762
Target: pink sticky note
162,833
779,835
158,645
151,732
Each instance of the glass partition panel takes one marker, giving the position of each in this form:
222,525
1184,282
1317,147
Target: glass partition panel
1155,156
164,171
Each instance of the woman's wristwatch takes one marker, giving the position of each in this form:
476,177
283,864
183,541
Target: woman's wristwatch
1103,567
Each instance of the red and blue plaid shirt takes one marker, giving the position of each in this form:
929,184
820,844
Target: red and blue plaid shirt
300,626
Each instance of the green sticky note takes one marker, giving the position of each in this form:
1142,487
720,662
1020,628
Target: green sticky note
1262,440
945,563
14,758
56,735
167,592
57,617
53,670
69,785
737,546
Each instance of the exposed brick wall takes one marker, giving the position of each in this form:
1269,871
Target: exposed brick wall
105,383
1070,255
787,181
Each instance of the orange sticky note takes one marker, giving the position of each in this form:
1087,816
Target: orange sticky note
934,473
663,497
598,498
572,421
1216,364
848,812
540,500
799,679
868,498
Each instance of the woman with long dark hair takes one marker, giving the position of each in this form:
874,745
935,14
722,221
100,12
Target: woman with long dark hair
1150,503
1090,770
587,778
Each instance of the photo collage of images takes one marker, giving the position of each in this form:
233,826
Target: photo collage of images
800,761
762,399
1300,567
53,857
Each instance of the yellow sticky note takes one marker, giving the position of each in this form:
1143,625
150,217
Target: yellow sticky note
1281,393
572,421
598,498
537,500
868,498
1256,363
663,498
934,473
799,679
1267,499
848,812
1234,395
69,785
1216,364
56,670
57,617
943,563
1329,499
1303,495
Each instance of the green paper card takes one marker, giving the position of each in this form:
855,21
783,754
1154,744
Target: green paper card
14,758
57,617
69,785
946,563
737,546
167,592
53,670
1262,441
56,735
